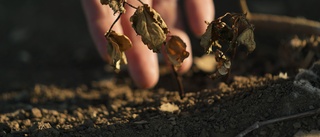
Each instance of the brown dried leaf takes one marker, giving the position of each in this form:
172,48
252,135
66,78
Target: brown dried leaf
247,38
206,39
176,50
150,26
115,5
117,44
215,31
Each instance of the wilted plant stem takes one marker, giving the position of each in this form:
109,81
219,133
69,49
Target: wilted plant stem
130,5
179,81
115,21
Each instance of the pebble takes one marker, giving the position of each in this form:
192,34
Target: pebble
78,114
42,126
27,122
16,125
54,112
36,113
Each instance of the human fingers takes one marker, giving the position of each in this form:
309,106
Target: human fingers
142,62
199,11
99,19
168,11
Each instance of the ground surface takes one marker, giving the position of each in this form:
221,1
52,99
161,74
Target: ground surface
53,83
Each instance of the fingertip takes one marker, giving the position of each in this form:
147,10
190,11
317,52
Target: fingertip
146,82
143,68
197,13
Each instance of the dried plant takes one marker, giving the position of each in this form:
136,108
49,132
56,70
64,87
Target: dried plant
230,28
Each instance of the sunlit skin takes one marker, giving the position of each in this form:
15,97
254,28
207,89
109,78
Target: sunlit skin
142,62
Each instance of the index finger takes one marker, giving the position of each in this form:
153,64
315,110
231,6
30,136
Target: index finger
199,11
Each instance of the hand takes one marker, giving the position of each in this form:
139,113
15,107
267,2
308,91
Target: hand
142,62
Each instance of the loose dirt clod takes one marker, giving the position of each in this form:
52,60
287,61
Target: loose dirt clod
168,107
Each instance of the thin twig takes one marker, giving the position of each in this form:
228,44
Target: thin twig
130,5
263,123
141,2
115,21
179,81
281,23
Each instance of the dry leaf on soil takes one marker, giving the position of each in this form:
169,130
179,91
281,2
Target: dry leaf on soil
176,50
115,5
117,44
150,26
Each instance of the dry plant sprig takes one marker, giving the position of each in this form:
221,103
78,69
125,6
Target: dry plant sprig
232,30
154,33
263,123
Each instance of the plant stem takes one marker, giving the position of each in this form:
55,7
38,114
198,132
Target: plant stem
115,21
141,2
179,81
130,5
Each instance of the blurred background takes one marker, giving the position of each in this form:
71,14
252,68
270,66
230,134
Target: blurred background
48,41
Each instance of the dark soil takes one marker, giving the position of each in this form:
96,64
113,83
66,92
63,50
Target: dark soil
53,83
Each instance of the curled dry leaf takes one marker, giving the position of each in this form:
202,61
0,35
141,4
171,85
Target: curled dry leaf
176,50
117,44
231,29
150,26
115,5
247,38
215,31
206,39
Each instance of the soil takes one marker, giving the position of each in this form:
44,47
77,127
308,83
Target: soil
53,83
